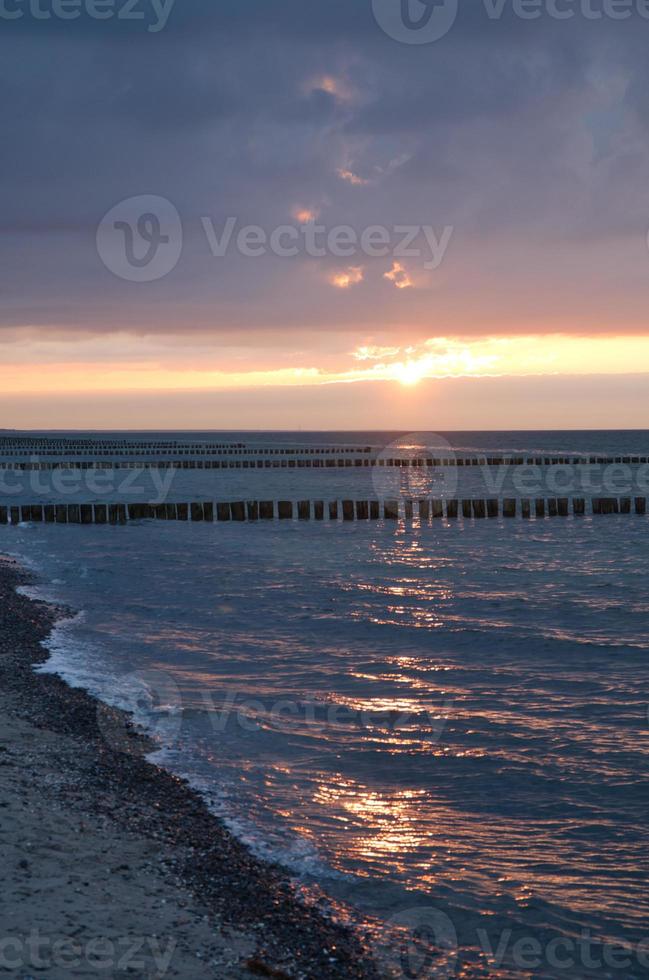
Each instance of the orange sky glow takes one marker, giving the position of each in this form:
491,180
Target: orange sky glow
106,364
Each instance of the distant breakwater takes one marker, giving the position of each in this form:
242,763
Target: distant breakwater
341,462
425,511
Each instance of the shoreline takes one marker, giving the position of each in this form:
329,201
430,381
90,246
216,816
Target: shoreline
130,838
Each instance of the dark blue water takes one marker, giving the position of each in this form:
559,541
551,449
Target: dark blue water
444,727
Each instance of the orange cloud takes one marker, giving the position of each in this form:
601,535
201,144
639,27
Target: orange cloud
372,353
352,178
349,277
305,215
336,87
398,276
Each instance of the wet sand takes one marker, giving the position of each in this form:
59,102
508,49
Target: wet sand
113,867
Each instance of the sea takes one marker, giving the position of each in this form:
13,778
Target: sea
440,729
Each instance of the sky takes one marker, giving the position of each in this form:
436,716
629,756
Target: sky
324,214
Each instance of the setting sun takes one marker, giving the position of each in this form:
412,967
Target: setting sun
411,372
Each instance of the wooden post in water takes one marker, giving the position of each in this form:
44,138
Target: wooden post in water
352,510
238,510
479,509
391,510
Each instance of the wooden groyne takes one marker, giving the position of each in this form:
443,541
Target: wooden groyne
172,448
285,462
425,511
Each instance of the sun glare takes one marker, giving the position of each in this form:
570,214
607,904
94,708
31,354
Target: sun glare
411,372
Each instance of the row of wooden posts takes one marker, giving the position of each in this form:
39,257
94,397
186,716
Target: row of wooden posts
319,510
104,445
334,463
175,449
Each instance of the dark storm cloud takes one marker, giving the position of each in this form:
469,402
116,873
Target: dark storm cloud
523,135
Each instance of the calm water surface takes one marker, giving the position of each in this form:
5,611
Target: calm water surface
451,718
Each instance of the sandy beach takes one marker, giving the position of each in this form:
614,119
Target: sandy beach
113,867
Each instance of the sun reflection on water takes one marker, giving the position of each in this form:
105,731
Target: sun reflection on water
383,824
